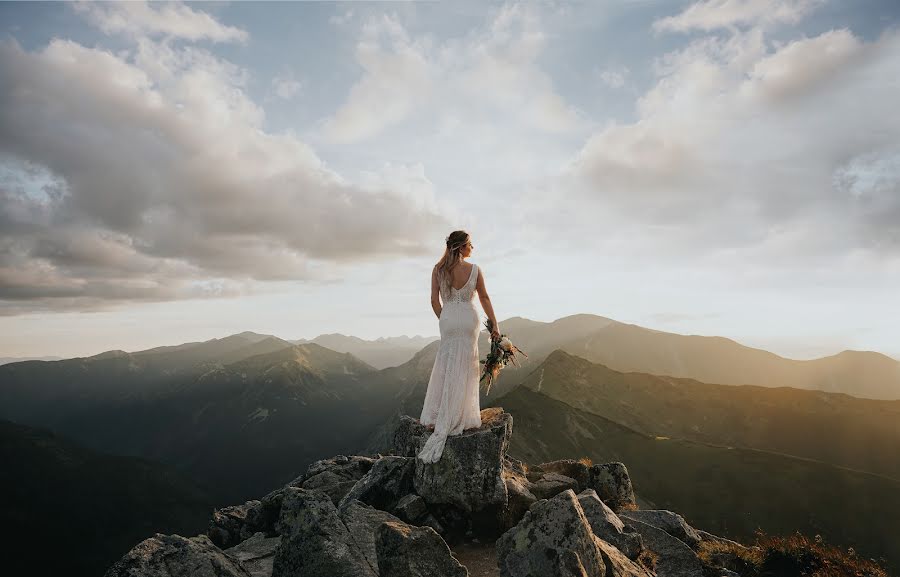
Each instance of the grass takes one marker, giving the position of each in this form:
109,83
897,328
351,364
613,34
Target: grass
793,555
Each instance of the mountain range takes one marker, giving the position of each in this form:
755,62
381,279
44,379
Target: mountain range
240,414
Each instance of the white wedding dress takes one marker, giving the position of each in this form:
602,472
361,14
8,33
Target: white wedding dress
451,401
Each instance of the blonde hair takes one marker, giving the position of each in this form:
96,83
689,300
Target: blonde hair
451,257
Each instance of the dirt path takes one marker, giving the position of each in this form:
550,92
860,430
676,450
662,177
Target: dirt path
479,558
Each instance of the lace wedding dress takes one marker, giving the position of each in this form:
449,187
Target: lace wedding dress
451,401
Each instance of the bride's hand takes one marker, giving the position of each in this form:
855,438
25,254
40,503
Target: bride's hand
495,333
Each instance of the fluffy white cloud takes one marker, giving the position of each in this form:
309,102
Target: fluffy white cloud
171,19
159,182
491,72
711,14
746,143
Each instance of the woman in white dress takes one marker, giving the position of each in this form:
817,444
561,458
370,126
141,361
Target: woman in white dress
451,401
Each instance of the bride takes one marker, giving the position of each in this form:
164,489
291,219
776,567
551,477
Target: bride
451,401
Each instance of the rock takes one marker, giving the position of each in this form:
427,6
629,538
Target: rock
519,497
554,538
617,564
672,523
177,556
315,542
389,480
363,522
347,468
408,551
608,526
676,559
716,539
571,468
613,485
411,508
256,553
408,437
549,484
229,525
469,474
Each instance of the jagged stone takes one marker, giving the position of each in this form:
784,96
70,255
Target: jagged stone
407,438
408,551
256,553
608,526
363,521
315,541
613,485
389,480
519,497
411,508
549,484
231,525
617,564
676,559
554,538
469,474
571,468
672,523
177,556
348,468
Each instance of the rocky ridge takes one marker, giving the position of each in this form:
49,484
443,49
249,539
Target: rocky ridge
391,515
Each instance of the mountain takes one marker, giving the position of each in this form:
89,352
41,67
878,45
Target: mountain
236,425
91,507
626,347
833,427
380,353
7,360
729,491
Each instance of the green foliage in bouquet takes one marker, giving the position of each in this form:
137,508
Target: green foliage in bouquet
502,352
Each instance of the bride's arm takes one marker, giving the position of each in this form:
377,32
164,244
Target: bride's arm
485,299
435,293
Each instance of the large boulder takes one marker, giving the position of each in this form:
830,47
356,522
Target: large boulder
571,468
469,475
608,526
547,485
363,521
554,538
177,556
315,541
675,558
672,523
256,554
389,480
613,485
231,525
335,476
408,551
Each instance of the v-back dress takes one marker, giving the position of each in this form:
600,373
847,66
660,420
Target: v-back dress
451,401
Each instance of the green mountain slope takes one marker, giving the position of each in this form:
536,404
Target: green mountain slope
833,427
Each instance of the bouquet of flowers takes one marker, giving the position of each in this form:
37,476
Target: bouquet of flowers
502,352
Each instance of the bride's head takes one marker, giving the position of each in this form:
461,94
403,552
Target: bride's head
459,246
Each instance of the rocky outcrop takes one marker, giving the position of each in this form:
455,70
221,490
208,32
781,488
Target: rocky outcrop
177,556
391,515
408,551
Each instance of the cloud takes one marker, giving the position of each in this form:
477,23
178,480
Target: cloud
174,20
746,144
492,72
147,175
286,87
709,15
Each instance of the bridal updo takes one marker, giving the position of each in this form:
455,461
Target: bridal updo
451,257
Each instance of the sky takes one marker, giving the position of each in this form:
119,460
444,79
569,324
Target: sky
174,172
